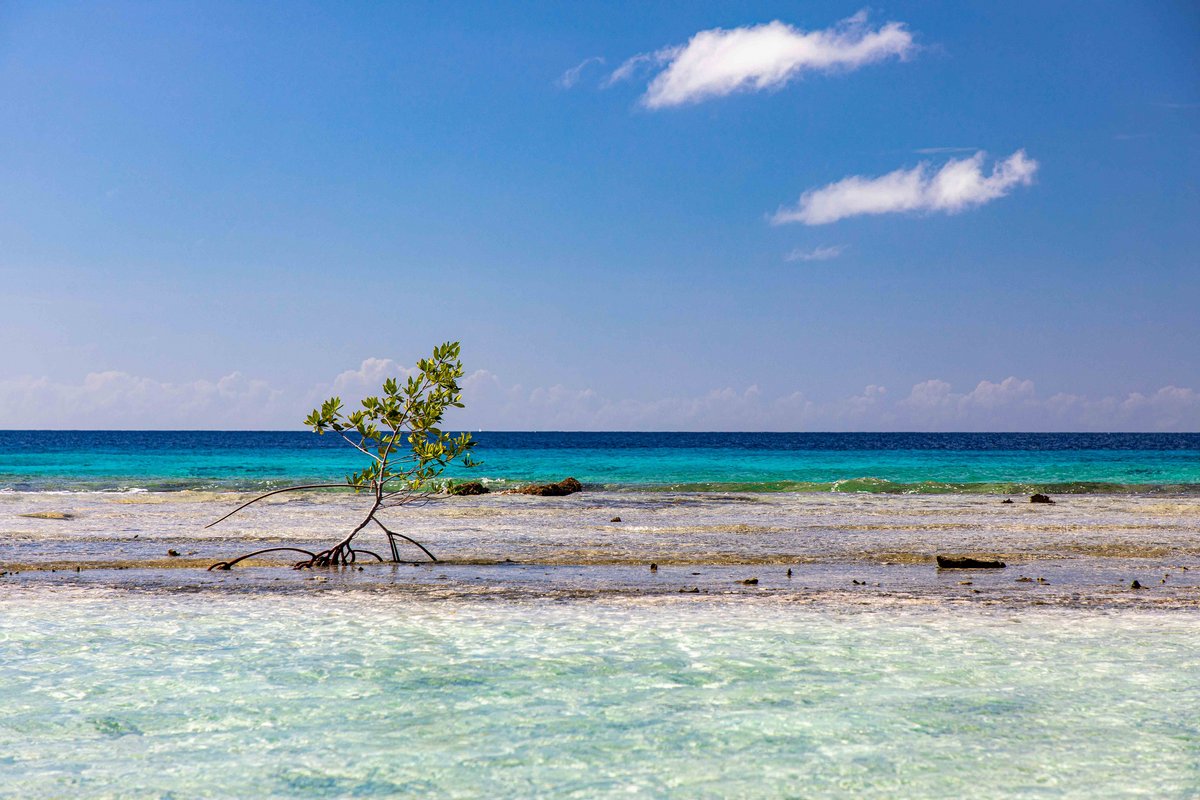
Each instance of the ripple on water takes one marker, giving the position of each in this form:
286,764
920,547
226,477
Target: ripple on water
354,693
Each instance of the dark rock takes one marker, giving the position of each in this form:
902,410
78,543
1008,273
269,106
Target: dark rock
465,489
563,487
615,519
654,567
1135,585
1023,579
1006,501
173,553
751,581
1040,498
957,562
789,572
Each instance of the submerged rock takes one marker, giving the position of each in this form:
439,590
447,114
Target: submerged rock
1135,585
563,487
464,489
615,519
1006,501
1040,498
957,562
751,581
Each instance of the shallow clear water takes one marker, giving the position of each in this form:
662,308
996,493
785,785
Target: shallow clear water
876,463
111,692
574,670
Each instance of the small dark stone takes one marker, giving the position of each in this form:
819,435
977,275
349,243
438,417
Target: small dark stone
956,562
1006,501
615,519
751,581
465,489
1135,585
1023,579
1040,498
173,553
654,567
789,572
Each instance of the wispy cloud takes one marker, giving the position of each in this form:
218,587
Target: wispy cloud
816,254
718,62
960,184
572,76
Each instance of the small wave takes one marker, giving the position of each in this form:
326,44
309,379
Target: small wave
871,485
856,485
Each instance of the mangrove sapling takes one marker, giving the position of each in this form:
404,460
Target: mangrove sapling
400,432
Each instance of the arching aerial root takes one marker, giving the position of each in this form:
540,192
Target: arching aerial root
341,555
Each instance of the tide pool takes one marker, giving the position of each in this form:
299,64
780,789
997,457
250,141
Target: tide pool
118,692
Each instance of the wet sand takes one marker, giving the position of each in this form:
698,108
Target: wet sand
842,549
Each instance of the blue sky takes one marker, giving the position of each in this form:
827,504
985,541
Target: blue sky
212,214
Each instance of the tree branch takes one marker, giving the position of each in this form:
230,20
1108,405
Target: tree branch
281,491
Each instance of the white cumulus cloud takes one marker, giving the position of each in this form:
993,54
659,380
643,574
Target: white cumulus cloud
121,400
719,62
960,184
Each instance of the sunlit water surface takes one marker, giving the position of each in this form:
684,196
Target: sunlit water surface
118,692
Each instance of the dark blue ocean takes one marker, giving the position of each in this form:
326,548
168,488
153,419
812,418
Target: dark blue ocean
810,462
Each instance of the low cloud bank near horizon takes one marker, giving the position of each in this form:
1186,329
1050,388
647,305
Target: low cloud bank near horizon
960,184
119,400
720,62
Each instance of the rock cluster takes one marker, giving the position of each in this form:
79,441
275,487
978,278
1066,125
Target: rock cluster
462,489
565,486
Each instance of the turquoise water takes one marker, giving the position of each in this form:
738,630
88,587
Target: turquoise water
112,692
879,463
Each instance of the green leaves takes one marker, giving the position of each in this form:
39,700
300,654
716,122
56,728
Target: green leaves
400,431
